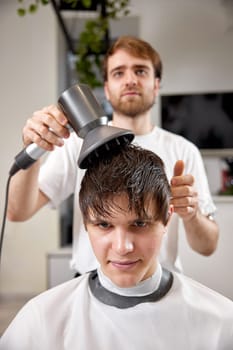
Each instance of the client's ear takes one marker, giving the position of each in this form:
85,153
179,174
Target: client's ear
170,212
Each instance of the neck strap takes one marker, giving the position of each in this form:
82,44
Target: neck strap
123,302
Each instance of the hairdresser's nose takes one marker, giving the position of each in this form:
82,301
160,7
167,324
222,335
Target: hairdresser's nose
123,242
130,78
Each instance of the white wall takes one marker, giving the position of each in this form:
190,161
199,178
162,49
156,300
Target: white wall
28,81
195,40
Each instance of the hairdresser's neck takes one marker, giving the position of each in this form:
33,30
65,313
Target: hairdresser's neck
140,124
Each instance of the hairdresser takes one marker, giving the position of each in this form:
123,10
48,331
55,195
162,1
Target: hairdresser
132,76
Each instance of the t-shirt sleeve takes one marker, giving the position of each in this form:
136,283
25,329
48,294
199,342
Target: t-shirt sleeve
58,174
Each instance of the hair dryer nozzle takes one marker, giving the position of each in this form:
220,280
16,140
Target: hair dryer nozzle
82,109
88,120
101,142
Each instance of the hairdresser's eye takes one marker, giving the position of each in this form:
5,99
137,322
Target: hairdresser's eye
117,74
140,72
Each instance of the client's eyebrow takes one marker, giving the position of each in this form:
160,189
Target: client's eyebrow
96,220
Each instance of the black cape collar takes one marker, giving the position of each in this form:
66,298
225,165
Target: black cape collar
124,302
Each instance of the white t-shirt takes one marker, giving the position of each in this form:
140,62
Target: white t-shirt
60,177
190,316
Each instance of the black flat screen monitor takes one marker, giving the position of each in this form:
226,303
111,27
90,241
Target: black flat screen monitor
206,119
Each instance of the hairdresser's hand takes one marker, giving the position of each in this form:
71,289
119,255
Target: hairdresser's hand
184,196
46,128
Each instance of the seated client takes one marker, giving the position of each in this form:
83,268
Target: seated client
130,301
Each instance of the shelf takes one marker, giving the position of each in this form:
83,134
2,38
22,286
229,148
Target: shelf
222,199
217,153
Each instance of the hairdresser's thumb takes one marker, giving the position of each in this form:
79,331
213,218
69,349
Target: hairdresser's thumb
178,168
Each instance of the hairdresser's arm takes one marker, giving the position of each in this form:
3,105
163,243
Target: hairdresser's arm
202,232
46,128
25,198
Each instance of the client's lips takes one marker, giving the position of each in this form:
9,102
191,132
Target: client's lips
124,265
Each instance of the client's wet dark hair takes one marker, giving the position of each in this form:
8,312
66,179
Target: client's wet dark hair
133,171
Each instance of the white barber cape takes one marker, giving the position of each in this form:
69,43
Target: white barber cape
190,316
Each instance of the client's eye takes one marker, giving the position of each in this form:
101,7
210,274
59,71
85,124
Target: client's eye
140,223
104,225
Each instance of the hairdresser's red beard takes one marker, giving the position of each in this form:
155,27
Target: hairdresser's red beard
131,103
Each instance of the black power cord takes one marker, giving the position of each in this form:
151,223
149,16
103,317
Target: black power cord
4,215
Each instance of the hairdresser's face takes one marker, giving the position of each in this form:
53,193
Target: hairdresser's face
131,86
126,245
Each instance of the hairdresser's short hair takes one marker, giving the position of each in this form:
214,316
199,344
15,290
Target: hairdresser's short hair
137,48
133,171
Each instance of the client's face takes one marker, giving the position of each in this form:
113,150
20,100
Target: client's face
126,245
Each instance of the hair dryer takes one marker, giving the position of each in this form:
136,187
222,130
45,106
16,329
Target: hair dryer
88,120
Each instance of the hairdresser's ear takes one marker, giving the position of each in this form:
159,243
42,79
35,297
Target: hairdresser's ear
157,86
106,90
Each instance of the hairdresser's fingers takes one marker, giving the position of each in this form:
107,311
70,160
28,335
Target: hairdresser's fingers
186,206
48,143
54,119
182,185
41,134
184,196
56,113
46,128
